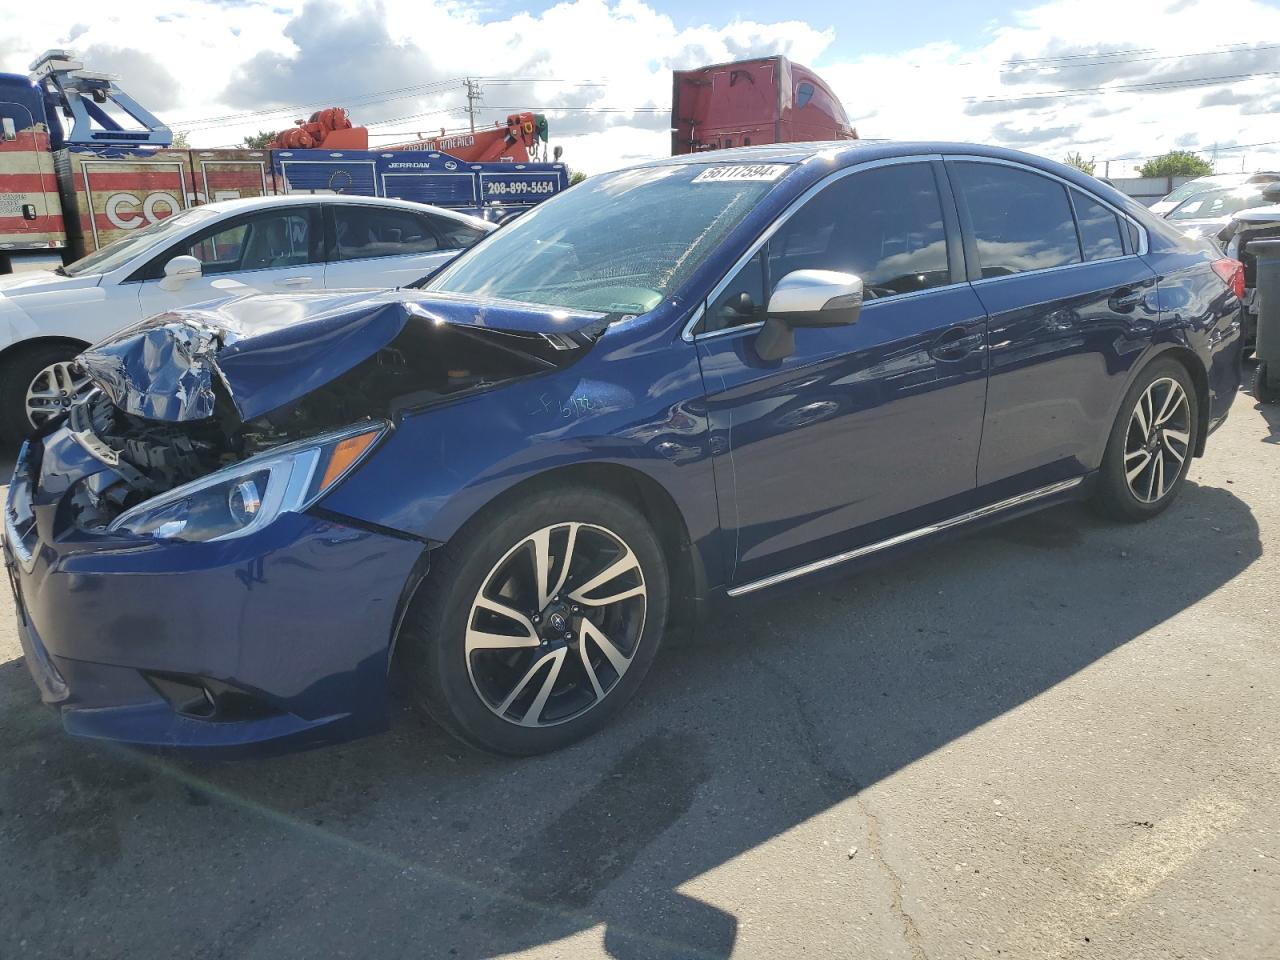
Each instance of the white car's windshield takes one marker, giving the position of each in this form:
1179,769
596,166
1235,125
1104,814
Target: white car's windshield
106,259
1216,203
618,243
1202,184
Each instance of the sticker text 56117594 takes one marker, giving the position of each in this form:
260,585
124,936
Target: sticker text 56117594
742,171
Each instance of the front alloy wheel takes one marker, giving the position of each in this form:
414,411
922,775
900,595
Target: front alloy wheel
556,624
538,620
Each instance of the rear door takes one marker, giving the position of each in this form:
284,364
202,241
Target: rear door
844,441
376,246
274,250
1071,307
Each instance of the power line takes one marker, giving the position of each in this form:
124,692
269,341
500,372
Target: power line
549,108
375,97
1155,86
1220,149
1110,62
1079,56
381,96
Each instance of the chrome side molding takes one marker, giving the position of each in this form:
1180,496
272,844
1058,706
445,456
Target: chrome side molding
1037,494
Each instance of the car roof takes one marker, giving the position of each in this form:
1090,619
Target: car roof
293,199
842,153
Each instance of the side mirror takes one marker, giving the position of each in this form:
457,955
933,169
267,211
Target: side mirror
178,271
1271,192
807,298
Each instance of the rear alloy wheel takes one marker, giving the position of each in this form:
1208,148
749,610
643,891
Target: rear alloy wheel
1151,444
538,623
1157,442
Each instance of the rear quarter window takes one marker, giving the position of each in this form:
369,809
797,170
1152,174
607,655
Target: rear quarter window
1100,236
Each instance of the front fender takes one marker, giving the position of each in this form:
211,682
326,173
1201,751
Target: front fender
443,465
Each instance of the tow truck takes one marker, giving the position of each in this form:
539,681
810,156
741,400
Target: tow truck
65,192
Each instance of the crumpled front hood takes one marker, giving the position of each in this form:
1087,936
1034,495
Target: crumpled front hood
269,349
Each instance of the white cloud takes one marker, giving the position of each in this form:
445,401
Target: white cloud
193,59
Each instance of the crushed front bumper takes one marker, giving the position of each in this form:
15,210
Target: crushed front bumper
280,635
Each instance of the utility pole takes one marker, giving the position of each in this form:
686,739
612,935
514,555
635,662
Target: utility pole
475,96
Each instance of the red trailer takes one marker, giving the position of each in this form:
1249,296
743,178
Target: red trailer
770,100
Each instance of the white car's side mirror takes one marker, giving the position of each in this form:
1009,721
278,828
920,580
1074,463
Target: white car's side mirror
178,271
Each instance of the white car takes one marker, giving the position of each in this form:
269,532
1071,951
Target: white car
284,243
1214,181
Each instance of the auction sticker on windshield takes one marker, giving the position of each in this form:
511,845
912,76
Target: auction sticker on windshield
742,171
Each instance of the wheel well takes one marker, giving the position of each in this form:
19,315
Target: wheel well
24,346
1200,379
688,577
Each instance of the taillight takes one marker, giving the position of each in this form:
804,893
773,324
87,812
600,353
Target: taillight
1232,274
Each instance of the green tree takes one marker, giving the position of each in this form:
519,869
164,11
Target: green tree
576,177
180,141
259,140
1176,163
1078,161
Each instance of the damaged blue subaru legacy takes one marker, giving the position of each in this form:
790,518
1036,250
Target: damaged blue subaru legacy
688,381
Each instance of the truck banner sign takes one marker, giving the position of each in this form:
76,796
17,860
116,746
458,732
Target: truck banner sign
118,196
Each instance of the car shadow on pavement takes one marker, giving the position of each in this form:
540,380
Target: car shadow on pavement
405,844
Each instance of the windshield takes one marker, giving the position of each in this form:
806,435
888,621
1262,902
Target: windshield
617,243
106,259
1200,185
1216,203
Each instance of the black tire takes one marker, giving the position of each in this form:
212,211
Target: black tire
1114,495
432,647
17,372
1265,389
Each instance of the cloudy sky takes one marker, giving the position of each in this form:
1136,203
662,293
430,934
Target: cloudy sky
1194,74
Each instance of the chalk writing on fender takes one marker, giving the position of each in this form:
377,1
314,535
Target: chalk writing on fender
570,409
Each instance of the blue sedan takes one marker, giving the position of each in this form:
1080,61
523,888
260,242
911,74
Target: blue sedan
689,381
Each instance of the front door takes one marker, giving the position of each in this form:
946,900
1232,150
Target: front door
277,250
840,443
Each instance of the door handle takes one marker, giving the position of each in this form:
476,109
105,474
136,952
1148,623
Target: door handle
293,282
954,343
1125,299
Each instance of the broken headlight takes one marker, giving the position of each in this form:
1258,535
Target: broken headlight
247,496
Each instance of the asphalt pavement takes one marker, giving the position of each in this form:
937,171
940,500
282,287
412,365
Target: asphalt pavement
1057,738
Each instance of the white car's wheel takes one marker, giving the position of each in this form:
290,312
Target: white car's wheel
37,384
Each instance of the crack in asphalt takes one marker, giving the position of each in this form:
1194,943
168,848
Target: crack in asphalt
842,785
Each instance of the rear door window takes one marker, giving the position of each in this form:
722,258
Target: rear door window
1021,220
362,232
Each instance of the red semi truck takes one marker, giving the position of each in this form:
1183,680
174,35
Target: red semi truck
769,100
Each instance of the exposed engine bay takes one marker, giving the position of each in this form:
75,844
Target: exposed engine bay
425,364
